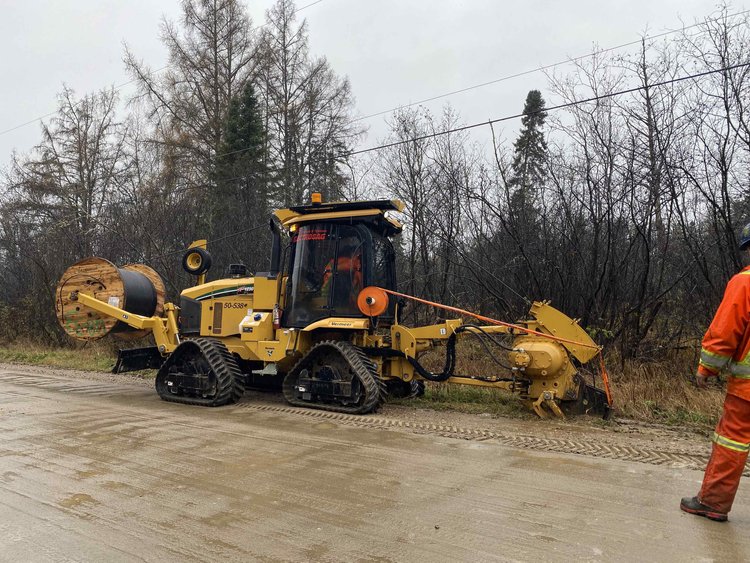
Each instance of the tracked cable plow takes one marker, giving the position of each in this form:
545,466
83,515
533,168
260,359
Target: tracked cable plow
323,325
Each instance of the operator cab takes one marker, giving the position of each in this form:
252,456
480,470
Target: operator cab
337,249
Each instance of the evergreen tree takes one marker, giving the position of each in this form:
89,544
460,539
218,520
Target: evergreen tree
309,110
529,166
242,155
241,196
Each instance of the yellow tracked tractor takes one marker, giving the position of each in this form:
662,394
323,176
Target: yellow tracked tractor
326,325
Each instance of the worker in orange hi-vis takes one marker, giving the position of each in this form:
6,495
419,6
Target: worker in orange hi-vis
349,264
726,345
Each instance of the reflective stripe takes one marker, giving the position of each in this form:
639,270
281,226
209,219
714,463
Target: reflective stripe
713,360
710,368
731,444
740,369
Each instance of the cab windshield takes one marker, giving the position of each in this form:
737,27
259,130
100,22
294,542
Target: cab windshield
328,271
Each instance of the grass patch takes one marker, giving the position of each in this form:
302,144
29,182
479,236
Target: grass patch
664,392
656,391
471,359
90,358
466,399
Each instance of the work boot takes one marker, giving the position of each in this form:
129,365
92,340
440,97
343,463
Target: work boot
693,506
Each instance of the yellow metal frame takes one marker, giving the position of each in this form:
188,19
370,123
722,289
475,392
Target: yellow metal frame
289,218
166,333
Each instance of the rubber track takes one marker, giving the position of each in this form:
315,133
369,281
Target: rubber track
681,459
224,366
364,369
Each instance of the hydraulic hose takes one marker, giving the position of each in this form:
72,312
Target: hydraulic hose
450,363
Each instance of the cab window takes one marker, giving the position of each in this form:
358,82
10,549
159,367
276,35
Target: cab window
327,273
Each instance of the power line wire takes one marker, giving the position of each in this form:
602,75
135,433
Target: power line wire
509,77
517,115
449,131
552,108
464,128
60,224
541,68
214,241
439,96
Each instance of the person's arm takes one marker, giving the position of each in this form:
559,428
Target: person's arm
725,333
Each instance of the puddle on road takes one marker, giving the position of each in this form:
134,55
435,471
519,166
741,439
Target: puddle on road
78,499
317,552
115,485
89,473
548,539
540,461
222,519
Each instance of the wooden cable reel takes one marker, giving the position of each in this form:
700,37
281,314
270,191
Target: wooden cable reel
135,288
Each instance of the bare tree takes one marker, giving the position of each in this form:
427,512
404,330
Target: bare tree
57,198
211,55
308,110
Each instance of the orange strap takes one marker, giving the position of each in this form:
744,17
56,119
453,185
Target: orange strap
605,378
602,369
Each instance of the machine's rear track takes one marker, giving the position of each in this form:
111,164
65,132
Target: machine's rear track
201,354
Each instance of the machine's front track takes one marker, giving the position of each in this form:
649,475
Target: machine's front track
335,376
200,372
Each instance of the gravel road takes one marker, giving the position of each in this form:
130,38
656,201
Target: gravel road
94,467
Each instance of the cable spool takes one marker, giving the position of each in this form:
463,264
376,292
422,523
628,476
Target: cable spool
135,288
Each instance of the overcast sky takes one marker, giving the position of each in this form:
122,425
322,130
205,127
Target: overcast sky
393,51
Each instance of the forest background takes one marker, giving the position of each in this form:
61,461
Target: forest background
621,204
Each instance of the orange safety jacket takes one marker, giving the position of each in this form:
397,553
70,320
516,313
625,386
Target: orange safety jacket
727,340
345,264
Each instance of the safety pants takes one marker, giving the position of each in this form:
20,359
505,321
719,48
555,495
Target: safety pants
731,443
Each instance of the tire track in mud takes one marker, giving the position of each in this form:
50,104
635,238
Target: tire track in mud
677,459
671,458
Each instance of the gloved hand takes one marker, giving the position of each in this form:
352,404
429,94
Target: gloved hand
701,381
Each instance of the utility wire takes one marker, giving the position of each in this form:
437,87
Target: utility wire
129,82
506,118
517,115
449,131
541,68
545,110
511,76
67,222
215,240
